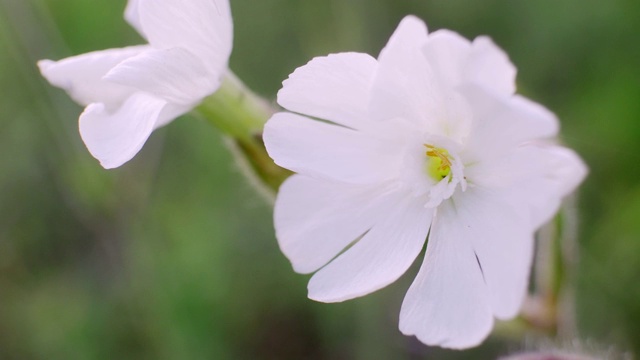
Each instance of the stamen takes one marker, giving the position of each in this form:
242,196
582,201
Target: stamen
439,164
433,151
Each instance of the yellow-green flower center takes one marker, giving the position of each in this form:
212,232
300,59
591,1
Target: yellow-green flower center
438,162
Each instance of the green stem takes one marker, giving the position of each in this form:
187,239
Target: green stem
240,114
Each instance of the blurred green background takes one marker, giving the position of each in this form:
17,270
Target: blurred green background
173,256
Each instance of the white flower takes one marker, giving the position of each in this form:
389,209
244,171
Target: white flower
429,139
129,92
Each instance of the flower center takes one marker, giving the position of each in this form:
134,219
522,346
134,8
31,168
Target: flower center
438,162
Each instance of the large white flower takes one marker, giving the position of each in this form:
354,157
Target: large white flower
429,139
129,92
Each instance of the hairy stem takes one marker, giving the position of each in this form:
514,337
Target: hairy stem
240,115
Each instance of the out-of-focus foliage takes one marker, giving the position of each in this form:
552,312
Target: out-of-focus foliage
173,255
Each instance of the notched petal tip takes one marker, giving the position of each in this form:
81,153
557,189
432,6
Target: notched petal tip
375,261
447,304
315,220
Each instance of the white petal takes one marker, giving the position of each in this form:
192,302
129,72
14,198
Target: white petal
455,60
379,258
170,112
175,75
447,52
132,15
535,177
404,85
564,170
115,137
502,238
490,67
447,303
203,27
334,88
81,76
315,220
322,150
502,122
561,173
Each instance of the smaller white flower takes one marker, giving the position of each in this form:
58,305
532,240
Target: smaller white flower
131,91
429,139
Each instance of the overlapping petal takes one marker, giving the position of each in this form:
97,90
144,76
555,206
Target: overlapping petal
132,15
418,88
82,76
379,258
403,86
190,44
315,220
502,238
115,137
490,67
423,91
535,176
500,123
203,27
172,74
334,88
455,61
448,303
447,53
327,151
